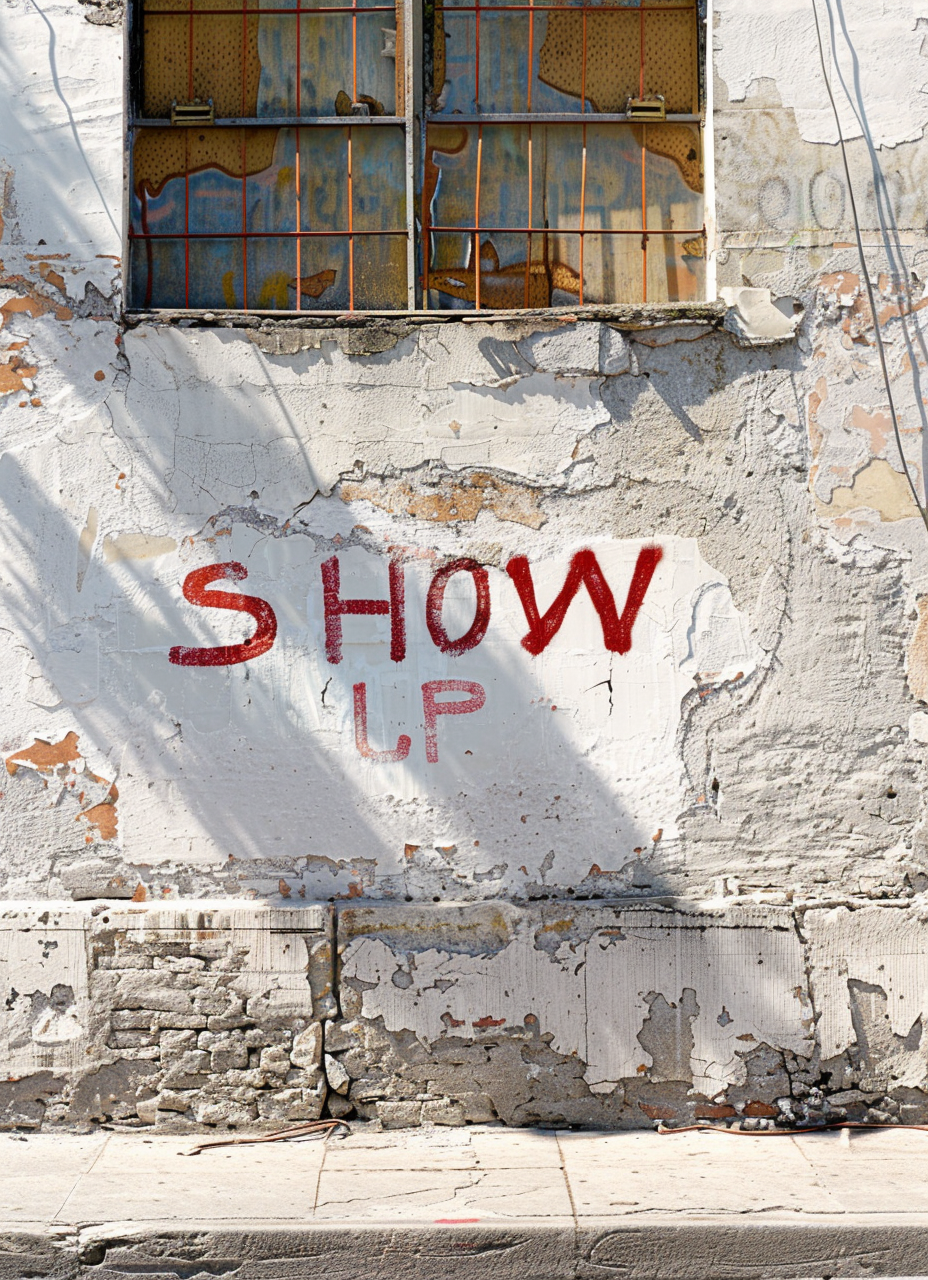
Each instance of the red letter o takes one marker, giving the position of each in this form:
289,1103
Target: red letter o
436,598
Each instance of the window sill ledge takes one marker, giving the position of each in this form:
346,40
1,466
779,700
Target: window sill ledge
730,315
626,317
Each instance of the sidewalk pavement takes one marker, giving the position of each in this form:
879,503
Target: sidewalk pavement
466,1204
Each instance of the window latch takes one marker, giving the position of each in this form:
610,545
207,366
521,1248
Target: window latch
193,113
653,108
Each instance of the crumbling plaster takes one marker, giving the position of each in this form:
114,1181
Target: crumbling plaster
761,744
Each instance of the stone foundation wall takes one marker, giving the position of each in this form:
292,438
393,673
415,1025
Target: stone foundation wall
207,1016
612,1015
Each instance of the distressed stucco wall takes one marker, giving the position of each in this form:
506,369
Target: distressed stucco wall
737,779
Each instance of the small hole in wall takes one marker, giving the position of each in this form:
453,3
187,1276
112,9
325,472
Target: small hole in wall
408,897
890,793
715,785
436,898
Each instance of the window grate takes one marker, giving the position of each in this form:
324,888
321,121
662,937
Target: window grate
327,181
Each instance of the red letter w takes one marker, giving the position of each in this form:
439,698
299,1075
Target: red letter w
584,568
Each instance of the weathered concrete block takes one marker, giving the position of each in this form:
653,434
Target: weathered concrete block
869,971
117,1006
572,1012
233,1056
399,1115
306,1050
172,1100
571,349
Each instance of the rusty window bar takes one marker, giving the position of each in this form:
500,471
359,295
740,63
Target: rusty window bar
262,13
298,210
530,77
389,8
357,122
280,122
523,230
401,231
542,6
284,235
644,168
583,112
565,117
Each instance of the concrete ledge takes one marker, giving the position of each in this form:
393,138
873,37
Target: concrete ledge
658,1250
467,1204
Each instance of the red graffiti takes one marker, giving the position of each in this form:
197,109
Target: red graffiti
459,707
403,742
584,569
195,591
335,607
436,598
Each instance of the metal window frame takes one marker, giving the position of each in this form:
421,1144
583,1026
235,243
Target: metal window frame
414,121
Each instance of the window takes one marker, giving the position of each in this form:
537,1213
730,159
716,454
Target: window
368,156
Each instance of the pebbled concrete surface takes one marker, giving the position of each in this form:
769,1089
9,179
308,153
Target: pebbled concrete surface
443,1204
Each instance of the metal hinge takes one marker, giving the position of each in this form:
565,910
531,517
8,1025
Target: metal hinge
192,113
646,108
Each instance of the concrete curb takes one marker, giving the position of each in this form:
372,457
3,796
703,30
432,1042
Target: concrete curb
657,1249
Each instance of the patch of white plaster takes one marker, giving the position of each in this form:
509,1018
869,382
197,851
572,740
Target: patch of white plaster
756,40
593,996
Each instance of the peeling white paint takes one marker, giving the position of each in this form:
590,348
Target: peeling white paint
880,59
592,996
888,951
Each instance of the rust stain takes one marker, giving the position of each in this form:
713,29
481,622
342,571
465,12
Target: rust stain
658,1113
51,757
359,925
141,893
14,373
30,299
283,888
103,816
760,1109
45,756
557,926
714,1111
449,501
487,1021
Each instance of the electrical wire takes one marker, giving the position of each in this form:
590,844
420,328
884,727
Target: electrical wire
314,1129
863,267
784,1133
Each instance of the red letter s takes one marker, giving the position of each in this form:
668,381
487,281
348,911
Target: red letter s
195,591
